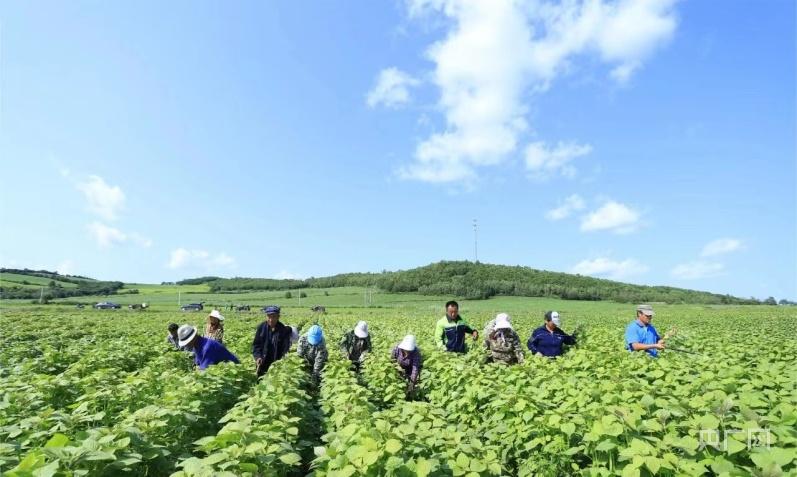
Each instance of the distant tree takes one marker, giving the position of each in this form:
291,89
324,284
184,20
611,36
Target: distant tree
288,295
770,301
302,295
326,293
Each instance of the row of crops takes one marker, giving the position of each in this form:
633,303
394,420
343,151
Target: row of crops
89,394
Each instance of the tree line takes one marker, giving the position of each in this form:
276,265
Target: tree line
474,280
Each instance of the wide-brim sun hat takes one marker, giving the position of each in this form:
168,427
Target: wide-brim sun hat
555,318
502,322
217,315
408,343
185,334
361,330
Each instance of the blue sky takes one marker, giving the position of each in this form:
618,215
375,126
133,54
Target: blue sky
646,141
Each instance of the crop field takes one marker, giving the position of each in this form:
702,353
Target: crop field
94,392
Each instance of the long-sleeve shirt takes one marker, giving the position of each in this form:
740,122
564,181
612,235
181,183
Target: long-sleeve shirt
354,347
549,343
214,334
208,352
504,346
411,362
315,355
450,334
270,345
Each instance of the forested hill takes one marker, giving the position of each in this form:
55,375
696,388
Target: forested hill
471,280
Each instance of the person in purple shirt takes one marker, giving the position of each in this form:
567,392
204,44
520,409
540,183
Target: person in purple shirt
207,352
408,357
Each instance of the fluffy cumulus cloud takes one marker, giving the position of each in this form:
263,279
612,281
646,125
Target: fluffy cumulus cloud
286,275
105,236
608,268
566,208
66,267
721,246
543,162
199,259
697,270
103,199
611,216
495,53
391,89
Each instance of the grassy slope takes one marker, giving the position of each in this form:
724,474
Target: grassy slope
14,279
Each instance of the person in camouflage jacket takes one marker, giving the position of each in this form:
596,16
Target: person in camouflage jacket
313,348
356,344
503,343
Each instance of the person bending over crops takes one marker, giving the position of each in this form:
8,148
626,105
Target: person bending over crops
313,348
408,358
450,331
214,329
207,352
172,338
356,344
503,343
640,335
272,340
548,340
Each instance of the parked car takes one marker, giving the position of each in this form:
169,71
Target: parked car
106,305
192,307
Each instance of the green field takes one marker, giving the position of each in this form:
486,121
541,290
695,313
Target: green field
98,392
30,281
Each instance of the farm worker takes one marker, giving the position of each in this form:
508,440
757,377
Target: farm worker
449,333
490,326
313,349
408,357
172,338
548,340
356,344
503,343
272,340
640,335
214,329
206,351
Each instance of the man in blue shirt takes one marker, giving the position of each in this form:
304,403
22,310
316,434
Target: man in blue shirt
548,340
206,351
640,335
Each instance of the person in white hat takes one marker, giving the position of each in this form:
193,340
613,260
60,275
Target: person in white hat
408,358
207,352
214,329
548,340
503,343
356,344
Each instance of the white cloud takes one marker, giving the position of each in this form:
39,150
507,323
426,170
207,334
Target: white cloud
184,258
66,267
106,236
103,200
566,208
721,246
697,270
544,162
614,216
286,275
606,267
495,52
391,89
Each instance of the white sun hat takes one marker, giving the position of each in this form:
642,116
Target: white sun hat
217,315
502,321
294,334
185,334
408,343
361,330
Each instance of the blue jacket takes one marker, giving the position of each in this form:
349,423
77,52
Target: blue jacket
208,352
550,344
636,332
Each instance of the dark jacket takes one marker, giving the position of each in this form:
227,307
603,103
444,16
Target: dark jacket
548,343
270,345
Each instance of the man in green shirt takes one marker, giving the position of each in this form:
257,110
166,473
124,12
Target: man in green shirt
450,331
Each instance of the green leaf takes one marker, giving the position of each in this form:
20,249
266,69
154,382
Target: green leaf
653,463
392,446
630,471
463,461
568,428
423,467
291,459
58,440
